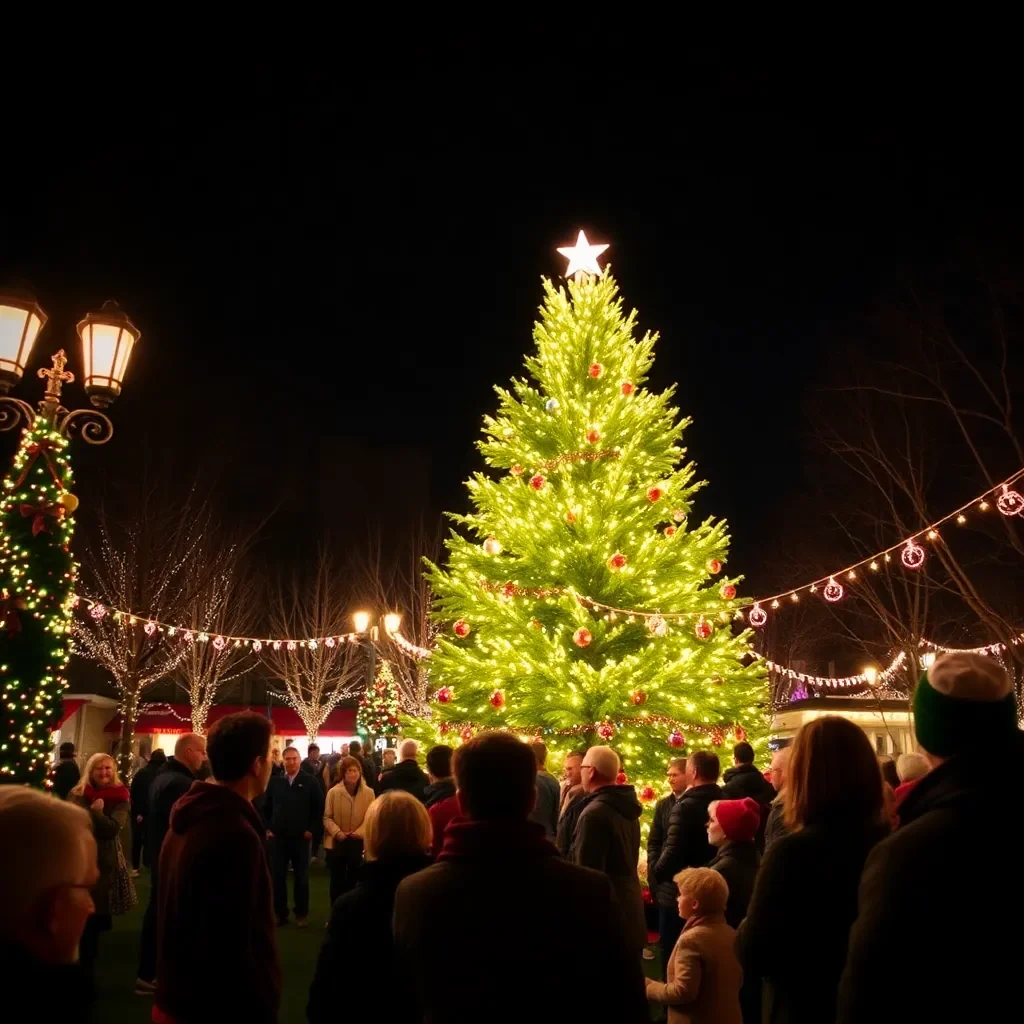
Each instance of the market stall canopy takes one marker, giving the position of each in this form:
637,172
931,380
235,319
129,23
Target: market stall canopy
177,718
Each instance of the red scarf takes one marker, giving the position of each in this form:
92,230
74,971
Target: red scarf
109,795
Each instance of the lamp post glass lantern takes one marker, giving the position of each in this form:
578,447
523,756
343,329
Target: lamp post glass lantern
108,338
21,320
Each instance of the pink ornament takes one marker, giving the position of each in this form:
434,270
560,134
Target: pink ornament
517,470
219,643
833,591
97,611
492,546
679,515
657,625
149,628
257,646
757,617
912,555
606,730
676,739
647,794
582,637
1010,503
329,641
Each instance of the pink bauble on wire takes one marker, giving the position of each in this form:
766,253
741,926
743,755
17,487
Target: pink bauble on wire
833,591
912,555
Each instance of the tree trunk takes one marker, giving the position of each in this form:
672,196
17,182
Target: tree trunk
125,754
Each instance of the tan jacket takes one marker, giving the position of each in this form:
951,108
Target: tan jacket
704,976
344,812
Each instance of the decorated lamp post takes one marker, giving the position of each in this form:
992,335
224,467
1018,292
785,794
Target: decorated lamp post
37,569
379,706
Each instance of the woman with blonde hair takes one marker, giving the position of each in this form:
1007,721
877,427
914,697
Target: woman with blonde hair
102,794
398,836
805,895
344,820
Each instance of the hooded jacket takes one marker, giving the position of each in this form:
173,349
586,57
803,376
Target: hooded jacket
438,791
746,780
607,839
405,775
217,947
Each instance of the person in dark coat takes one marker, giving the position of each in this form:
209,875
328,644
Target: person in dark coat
218,950
607,838
570,801
170,784
311,763
545,811
292,810
500,900
355,749
805,897
670,924
65,774
744,779
775,824
397,837
406,774
439,772
965,719
140,803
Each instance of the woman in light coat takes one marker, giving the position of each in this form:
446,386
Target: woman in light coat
344,820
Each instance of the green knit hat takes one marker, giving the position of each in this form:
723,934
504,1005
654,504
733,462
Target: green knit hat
963,700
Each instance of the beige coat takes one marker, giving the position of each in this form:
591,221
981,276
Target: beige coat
704,976
344,812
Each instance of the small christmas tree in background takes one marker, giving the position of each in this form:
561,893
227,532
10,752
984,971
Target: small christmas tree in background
37,576
379,707
584,607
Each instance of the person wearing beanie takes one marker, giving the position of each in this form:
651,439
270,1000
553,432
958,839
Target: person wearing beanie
965,717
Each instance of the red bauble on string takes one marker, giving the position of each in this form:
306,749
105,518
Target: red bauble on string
714,566
1010,503
461,628
466,734
537,482
638,696
497,699
670,531
654,494
676,739
621,779
647,793
444,695
728,591
593,435
582,637
595,370
517,470
717,737
627,388
703,629
617,561
606,730
758,616
913,555
832,591
741,734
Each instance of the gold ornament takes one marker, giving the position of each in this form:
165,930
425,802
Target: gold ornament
69,502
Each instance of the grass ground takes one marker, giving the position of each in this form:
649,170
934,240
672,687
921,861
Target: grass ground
116,1002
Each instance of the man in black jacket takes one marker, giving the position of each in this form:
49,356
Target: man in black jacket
140,803
406,774
439,771
669,922
965,718
170,784
292,809
745,779
65,773
311,764
686,838
607,838
466,942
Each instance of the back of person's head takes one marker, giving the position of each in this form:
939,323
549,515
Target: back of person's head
743,752
407,750
706,887
604,762
158,757
67,750
888,769
963,702
439,761
540,752
355,747
184,743
49,868
496,776
235,742
833,776
397,825
705,765
910,767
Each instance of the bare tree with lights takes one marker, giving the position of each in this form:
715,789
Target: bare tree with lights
319,666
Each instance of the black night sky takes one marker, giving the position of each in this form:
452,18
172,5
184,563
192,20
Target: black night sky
345,261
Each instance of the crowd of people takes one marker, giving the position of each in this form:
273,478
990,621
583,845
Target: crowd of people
824,892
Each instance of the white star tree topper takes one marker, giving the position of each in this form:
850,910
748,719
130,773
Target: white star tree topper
582,256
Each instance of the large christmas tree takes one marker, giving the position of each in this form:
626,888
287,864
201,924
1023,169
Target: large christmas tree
581,605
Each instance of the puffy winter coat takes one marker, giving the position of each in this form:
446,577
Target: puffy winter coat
665,891
686,838
737,863
746,780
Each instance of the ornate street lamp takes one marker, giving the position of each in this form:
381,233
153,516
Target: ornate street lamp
21,320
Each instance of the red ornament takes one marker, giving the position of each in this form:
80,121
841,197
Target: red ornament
582,637
638,696
617,561
596,369
444,728
676,739
606,730
570,516
741,734
717,737
516,470
714,566
461,628
647,793
621,779
654,494
627,388
466,734
444,695
537,482
703,629
593,435
498,699
536,624
509,590
728,591
670,531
